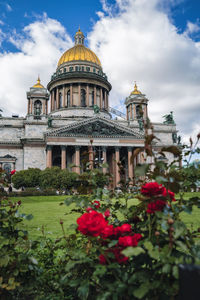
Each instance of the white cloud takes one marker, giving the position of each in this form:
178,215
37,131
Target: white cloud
8,7
192,28
138,41
135,40
39,49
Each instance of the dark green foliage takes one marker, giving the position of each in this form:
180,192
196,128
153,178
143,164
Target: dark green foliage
26,178
69,268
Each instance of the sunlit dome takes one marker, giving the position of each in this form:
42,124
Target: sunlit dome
38,84
79,52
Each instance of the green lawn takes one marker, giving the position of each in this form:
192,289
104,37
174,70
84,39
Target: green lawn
48,212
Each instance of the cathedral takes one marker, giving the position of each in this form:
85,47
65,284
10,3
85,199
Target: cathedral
72,116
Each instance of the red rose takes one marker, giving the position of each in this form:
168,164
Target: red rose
102,259
107,213
157,205
152,189
88,209
107,231
170,194
91,223
130,241
12,172
120,258
96,204
123,229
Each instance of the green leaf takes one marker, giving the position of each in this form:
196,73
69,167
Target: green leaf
83,290
133,251
141,291
112,243
182,246
175,271
180,229
166,268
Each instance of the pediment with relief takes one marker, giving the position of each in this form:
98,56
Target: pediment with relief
95,127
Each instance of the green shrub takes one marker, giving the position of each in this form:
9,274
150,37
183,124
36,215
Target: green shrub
50,178
26,178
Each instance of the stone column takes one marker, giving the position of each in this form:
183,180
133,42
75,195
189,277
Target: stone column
104,150
134,112
87,95
63,157
91,157
79,94
49,156
77,159
127,116
31,107
101,98
131,111
117,159
43,107
95,95
71,95
57,98
63,102
130,165
47,107
106,100
28,106
52,100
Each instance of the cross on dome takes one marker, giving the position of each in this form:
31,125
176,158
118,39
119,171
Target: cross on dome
79,37
136,91
38,84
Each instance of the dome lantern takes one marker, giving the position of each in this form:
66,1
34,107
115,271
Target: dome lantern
79,37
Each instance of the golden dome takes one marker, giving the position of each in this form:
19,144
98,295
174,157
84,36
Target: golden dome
79,32
79,52
38,84
135,91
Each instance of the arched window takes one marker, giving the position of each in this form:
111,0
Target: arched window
83,96
7,168
139,111
60,100
68,98
37,108
92,98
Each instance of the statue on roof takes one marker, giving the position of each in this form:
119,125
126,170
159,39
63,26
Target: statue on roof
96,109
169,119
49,122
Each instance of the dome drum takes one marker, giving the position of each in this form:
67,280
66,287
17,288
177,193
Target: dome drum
79,82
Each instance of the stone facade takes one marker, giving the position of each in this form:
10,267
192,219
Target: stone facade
62,120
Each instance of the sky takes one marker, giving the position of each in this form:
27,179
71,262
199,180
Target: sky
153,42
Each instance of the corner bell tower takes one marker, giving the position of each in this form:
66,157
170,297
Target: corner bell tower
136,105
37,101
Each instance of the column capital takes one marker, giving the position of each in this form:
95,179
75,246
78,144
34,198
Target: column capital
63,147
77,147
104,148
49,147
130,148
117,148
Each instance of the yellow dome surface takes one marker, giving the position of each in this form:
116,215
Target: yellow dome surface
79,52
38,84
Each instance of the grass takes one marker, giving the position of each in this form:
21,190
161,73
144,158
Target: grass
48,212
